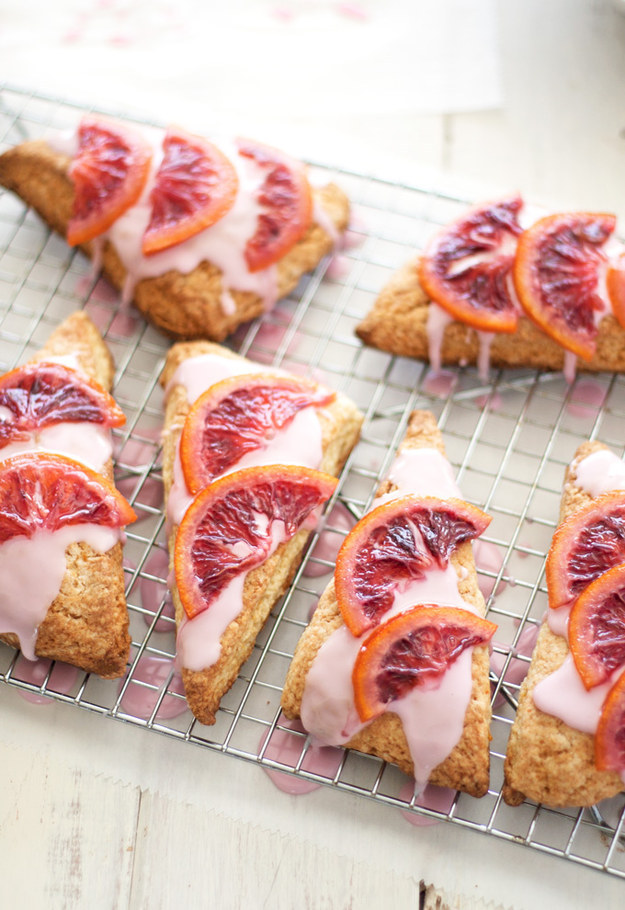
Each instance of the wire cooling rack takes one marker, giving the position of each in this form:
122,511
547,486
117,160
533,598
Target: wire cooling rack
509,441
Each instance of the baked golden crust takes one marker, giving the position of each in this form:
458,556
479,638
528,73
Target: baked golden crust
467,767
264,585
547,760
87,623
182,306
398,320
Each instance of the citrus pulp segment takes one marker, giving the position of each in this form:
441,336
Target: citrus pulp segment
466,269
237,416
597,628
610,735
41,491
228,528
195,185
39,394
584,547
393,544
556,275
413,648
285,199
109,172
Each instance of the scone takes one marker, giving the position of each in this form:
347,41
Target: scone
488,292
265,228
85,622
318,438
551,751
442,735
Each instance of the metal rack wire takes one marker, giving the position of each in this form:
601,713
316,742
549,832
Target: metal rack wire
509,441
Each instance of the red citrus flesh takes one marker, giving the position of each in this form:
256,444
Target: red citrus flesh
466,269
597,628
286,205
195,185
396,543
109,172
585,546
41,491
413,648
237,416
615,282
610,735
556,275
227,529
40,394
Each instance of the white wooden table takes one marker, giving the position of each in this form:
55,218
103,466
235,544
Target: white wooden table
99,814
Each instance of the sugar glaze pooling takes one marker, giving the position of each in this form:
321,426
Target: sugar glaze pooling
198,640
433,718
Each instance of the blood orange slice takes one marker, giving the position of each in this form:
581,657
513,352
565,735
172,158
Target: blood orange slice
466,268
585,546
40,491
237,416
195,185
286,205
556,274
109,173
393,544
39,394
597,628
610,735
237,522
413,648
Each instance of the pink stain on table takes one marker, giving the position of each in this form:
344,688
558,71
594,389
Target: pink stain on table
437,799
138,455
62,678
140,701
488,559
337,524
440,383
517,669
154,592
587,398
286,747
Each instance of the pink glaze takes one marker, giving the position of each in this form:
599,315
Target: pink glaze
438,799
437,322
440,383
517,669
600,472
140,701
338,520
558,620
154,592
199,644
222,244
424,472
587,398
433,719
26,595
570,367
562,694
62,678
286,748
485,340
86,442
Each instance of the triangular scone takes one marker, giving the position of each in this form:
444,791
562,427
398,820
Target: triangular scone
398,323
547,760
194,304
87,623
340,423
467,765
